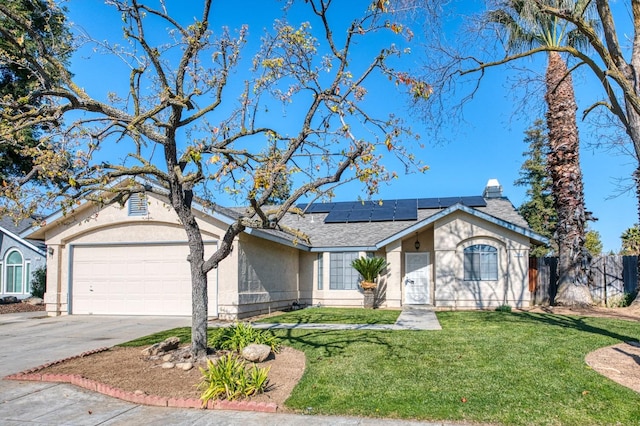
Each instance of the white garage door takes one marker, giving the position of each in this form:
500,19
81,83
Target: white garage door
131,280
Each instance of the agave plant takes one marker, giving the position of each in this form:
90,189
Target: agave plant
369,267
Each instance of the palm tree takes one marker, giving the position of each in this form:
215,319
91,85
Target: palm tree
525,26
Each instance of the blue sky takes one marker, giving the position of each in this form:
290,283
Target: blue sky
487,144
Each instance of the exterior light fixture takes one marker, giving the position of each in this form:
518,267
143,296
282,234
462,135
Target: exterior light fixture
417,244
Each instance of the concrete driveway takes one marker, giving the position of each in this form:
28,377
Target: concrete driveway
31,339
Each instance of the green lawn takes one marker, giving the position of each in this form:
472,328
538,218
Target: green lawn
509,368
336,316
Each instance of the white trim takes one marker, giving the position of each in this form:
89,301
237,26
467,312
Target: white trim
6,265
460,207
27,277
21,240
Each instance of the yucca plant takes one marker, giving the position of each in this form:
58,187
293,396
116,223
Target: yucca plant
229,378
369,268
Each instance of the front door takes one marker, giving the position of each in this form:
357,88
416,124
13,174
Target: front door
416,280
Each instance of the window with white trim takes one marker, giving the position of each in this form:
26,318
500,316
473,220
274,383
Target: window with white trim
342,275
481,263
320,270
14,272
27,276
138,205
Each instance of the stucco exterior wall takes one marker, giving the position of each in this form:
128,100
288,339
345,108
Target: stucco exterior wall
30,257
452,235
267,278
91,225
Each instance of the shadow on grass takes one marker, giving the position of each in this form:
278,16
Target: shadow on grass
576,323
331,342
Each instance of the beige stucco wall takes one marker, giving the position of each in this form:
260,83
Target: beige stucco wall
268,276
460,230
90,224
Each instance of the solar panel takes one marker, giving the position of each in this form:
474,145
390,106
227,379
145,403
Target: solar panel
407,204
317,207
379,215
406,214
360,215
364,205
344,205
474,201
428,203
449,201
337,216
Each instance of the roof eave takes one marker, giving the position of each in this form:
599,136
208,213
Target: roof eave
461,207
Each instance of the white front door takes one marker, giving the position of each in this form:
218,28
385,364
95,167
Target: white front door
416,280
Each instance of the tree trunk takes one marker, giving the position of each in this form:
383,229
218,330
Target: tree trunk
636,179
564,168
199,294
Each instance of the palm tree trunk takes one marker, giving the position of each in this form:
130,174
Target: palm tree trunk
564,168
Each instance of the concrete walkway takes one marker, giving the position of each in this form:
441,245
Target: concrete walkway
30,340
411,318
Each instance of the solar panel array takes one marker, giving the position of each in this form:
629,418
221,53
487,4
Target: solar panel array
386,210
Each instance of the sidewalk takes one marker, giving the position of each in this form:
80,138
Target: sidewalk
409,319
52,404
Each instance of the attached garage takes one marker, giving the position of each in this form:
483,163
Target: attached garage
131,279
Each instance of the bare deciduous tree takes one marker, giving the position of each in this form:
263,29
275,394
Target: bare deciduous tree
191,122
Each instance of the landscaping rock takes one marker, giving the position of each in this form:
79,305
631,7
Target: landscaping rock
167,365
256,353
35,301
185,366
168,345
9,299
167,357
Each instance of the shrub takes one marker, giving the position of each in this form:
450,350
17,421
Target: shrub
503,308
369,267
240,335
39,282
620,300
230,379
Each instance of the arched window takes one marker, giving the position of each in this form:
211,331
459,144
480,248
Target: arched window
14,272
481,263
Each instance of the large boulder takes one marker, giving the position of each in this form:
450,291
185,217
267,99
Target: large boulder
169,344
256,352
35,301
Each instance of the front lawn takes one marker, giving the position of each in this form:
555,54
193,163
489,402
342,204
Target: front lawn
493,367
336,316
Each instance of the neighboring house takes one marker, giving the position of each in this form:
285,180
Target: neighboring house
19,258
459,252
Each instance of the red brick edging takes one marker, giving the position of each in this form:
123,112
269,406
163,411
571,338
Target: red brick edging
144,399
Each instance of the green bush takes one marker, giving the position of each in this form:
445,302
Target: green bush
240,335
620,301
369,267
229,378
39,282
503,308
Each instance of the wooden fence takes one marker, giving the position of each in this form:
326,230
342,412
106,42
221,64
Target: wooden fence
610,278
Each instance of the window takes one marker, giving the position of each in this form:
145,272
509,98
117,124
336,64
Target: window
14,272
320,270
343,276
138,205
481,263
27,276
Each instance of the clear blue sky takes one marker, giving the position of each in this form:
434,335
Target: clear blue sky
487,144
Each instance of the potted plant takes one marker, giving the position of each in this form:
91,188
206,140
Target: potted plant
369,268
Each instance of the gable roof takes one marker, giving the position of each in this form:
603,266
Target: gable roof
370,236
9,227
